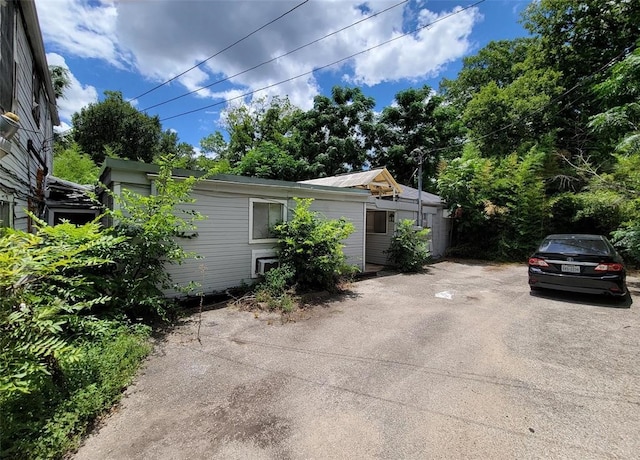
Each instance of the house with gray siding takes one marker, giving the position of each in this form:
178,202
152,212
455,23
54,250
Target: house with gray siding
233,241
390,202
26,156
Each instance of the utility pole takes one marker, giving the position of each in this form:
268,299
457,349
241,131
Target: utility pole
418,151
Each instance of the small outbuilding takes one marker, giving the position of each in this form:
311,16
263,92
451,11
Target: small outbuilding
390,202
233,241
70,202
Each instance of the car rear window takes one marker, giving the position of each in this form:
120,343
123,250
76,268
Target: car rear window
575,246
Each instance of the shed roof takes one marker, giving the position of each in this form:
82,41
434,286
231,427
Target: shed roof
379,182
64,193
410,193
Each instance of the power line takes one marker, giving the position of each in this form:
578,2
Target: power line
226,101
221,51
278,57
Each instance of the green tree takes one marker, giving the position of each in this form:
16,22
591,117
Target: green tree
115,124
336,134
498,204
513,118
72,164
182,154
151,227
619,125
418,120
248,126
578,39
496,63
60,80
43,289
270,162
618,185
215,145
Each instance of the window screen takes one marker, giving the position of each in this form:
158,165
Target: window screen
265,216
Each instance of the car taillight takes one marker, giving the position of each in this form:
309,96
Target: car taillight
534,261
609,267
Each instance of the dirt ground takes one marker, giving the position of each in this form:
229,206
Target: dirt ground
457,362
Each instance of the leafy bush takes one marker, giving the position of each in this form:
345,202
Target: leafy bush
312,245
151,227
50,420
499,204
277,280
275,290
409,249
627,238
43,289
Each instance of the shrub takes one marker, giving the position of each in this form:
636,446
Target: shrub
43,289
278,280
312,245
409,249
499,203
275,290
50,420
152,227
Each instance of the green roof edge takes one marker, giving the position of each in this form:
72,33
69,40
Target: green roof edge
150,168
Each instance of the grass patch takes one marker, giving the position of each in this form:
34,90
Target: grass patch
50,421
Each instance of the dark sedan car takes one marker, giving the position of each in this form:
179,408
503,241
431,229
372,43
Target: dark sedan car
578,263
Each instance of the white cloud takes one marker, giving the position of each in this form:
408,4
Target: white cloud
82,29
162,38
76,96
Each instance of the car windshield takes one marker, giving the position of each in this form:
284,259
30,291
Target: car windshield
575,246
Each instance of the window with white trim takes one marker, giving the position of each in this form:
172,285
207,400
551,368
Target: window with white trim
263,215
376,221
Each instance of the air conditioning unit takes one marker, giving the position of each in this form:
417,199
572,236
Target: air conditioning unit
266,264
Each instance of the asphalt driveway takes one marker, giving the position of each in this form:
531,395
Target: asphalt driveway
458,362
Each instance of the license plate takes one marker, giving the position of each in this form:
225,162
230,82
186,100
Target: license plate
570,268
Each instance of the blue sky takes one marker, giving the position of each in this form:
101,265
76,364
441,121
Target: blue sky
133,45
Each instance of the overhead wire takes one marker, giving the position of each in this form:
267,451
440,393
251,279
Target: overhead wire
371,16
221,51
316,69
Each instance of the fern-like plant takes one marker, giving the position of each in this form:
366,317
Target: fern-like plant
43,289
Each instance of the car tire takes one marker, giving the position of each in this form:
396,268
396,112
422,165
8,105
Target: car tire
624,301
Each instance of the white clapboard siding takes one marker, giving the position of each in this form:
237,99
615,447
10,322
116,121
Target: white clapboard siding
377,244
440,234
354,244
221,240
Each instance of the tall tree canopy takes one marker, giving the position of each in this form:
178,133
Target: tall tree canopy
336,134
249,125
579,39
115,124
418,120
